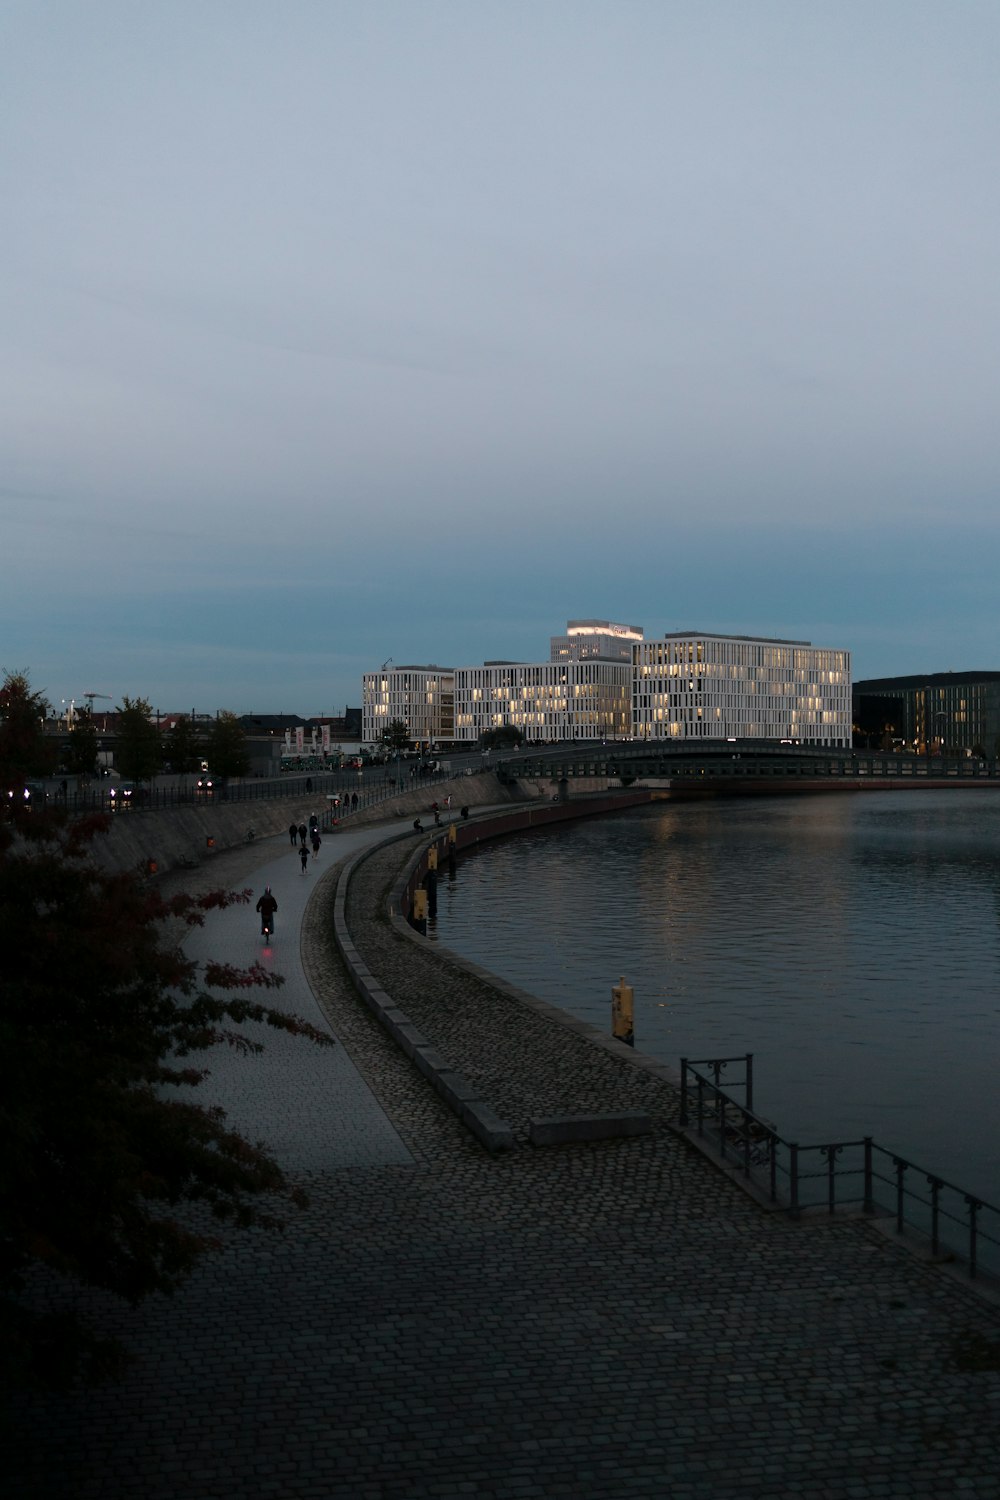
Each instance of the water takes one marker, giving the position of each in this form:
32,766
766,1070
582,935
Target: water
852,943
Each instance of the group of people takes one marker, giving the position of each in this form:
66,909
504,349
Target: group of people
298,833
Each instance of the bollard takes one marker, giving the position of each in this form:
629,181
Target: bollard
452,834
432,857
622,1002
418,914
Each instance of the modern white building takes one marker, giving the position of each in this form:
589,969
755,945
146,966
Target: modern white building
423,698
568,700
690,685
600,640
606,681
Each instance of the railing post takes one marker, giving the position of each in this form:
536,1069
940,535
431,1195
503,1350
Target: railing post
701,1104
935,1186
974,1207
793,1178
869,1204
683,1118
900,1166
830,1152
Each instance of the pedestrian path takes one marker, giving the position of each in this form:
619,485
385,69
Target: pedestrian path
309,1103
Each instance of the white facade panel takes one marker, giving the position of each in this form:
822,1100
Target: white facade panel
690,686
423,698
544,700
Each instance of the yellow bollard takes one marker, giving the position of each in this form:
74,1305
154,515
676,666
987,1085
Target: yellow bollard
622,1005
432,858
452,834
420,906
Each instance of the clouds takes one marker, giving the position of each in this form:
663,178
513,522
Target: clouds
353,297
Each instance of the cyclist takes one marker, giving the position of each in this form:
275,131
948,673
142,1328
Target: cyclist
267,906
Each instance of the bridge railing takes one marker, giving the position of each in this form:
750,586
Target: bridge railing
708,760
836,1175
372,787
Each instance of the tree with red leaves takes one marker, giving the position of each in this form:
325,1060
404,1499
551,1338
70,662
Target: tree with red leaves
103,1163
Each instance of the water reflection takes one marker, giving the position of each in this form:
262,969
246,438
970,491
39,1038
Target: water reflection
850,942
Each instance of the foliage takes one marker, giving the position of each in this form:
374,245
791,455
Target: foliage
80,753
99,1018
184,746
25,752
226,746
396,735
137,754
507,737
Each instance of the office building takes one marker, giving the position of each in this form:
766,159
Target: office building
422,698
936,713
690,685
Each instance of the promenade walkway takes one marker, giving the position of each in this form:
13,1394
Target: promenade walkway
591,1322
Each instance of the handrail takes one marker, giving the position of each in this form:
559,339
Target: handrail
753,1147
377,787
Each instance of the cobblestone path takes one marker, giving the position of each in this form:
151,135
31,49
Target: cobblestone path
592,1323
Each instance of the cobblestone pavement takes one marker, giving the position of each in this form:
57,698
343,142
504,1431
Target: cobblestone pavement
590,1322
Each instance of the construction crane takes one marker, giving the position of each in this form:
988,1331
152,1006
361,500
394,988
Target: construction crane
90,704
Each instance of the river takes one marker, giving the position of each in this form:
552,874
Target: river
851,942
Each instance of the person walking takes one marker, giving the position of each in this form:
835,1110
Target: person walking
354,802
304,857
293,834
302,834
316,841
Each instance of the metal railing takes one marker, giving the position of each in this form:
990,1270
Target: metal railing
846,1174
373,786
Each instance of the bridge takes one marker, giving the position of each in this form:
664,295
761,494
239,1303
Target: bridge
744,766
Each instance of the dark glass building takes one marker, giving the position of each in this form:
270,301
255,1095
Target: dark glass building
936,713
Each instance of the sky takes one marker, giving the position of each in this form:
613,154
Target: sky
333,333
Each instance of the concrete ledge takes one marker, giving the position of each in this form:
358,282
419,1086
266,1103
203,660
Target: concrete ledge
456,1091
566,1130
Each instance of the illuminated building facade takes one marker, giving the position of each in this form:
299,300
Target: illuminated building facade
606,681
936,713
568,700
693,686
595,640
423,698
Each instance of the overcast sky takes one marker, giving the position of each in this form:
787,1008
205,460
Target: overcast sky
335,332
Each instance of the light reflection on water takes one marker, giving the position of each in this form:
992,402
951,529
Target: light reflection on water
850,942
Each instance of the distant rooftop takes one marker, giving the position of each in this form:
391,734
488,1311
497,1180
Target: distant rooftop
717,635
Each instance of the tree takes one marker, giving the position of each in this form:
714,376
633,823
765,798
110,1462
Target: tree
184,747
137,755
396,735
507,736
99,1018
80,753
226,746
25,752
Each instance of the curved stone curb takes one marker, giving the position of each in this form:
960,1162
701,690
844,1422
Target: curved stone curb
475,1113
556,1130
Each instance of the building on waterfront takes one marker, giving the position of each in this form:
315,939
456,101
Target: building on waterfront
564,700
606,681
422,698
933,713
690,685
600,640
